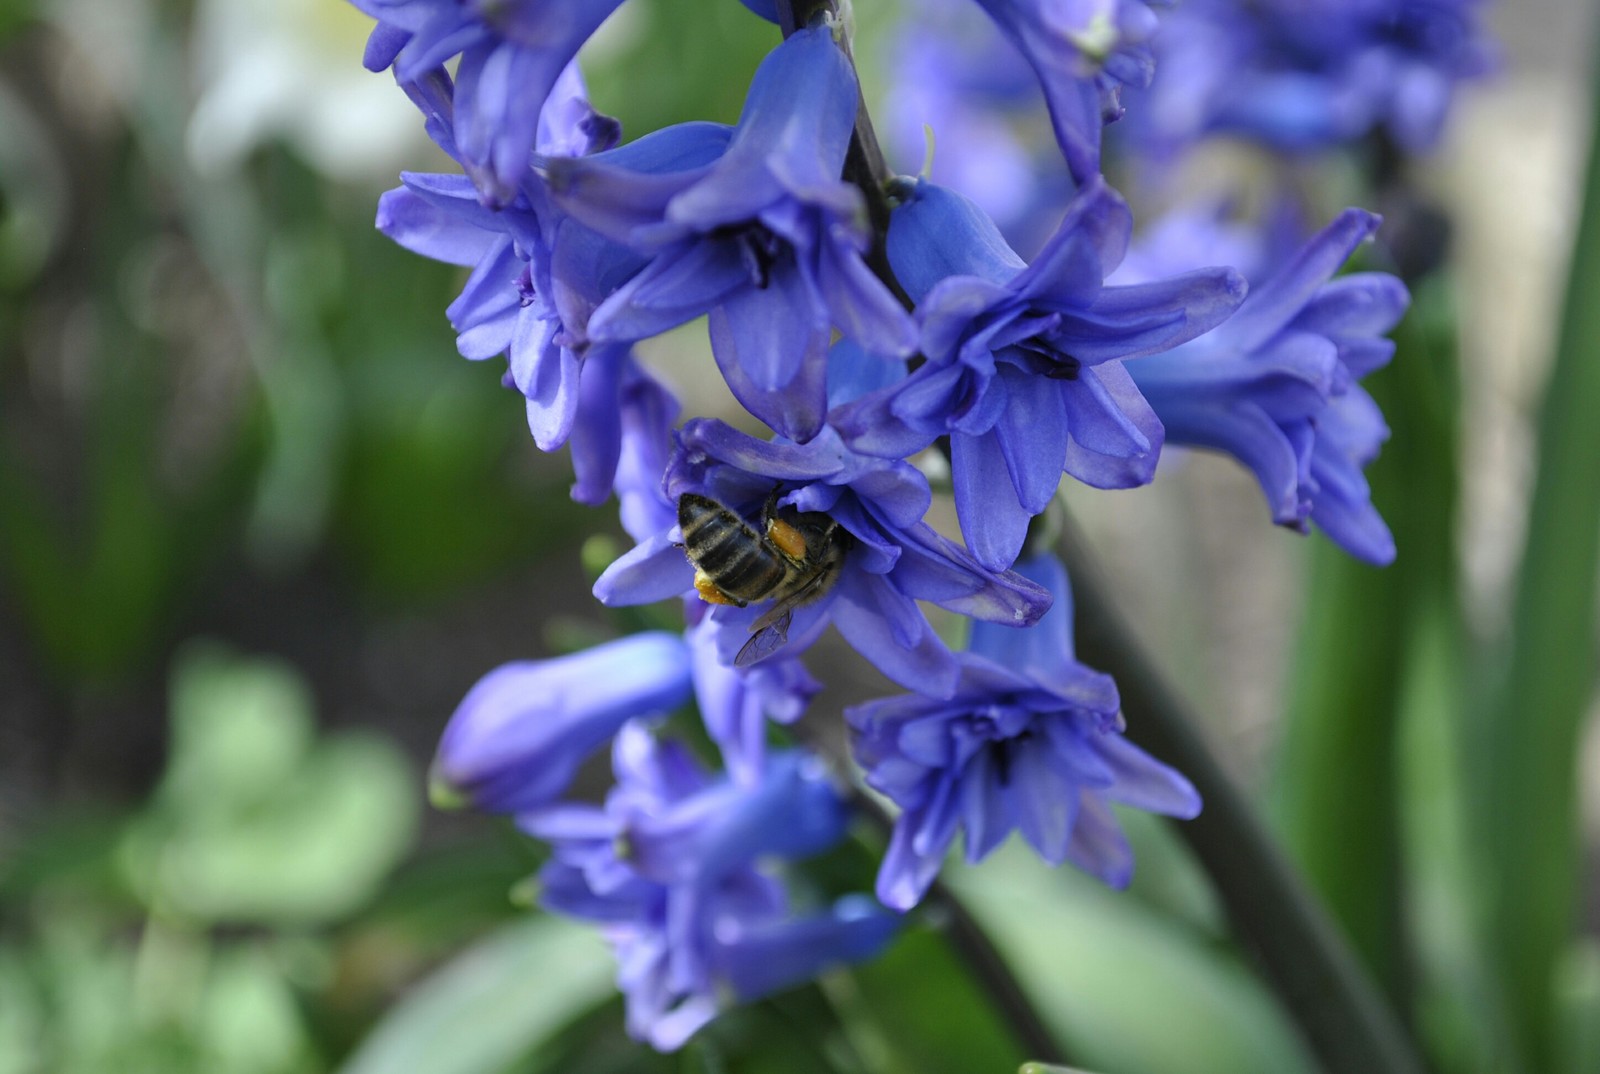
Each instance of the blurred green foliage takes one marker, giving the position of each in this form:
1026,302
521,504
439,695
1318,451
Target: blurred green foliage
187,936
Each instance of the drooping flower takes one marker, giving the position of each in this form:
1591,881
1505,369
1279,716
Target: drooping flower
1275,385
765,236
1031,741
893,558
518,737
668,868
1306,75
512,54
1020,370
537,275
1084,52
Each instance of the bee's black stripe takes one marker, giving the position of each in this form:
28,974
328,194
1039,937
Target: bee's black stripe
750,576
712,548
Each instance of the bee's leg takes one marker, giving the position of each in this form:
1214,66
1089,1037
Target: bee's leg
769,510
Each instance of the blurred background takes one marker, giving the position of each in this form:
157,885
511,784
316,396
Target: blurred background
261,528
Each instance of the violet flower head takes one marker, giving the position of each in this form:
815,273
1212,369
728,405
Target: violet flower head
1084,52
512,53
893,558
1305,76
1031,741
668,869
1021,369
537,275
1275,387
761,233
517,738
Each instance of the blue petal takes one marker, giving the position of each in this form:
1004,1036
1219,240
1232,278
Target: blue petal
853,374
517,738
886,627
1046,811
861,305
1145,783
1275,303
549,380
993,520
625,191
795,409
761,959
1098,845
906,873
800,110
936,233
1089,242
424,227
935,569
1033,436
1118,470
653,570
597,430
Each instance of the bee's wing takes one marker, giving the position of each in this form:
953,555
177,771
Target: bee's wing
770,632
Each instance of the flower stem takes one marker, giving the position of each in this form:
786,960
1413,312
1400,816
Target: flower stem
983,960
864,165
1272,911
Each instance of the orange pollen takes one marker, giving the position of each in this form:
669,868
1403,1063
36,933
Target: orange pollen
708,590
788,540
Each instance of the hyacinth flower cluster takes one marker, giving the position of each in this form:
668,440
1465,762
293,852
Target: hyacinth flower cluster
883,330
1302,77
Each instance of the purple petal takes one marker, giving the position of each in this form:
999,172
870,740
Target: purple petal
886,627
653,570
993,519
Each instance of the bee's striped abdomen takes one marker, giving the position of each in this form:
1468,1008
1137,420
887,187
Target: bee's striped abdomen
725,550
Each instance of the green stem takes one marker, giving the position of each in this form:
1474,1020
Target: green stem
1314,974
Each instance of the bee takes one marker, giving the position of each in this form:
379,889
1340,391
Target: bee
792,561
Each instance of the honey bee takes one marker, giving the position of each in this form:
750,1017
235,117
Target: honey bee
793,561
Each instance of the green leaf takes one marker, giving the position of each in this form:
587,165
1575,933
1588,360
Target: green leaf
1578,999
921,1000
1527,768
1126,989
1459,1012
256,820
495,1002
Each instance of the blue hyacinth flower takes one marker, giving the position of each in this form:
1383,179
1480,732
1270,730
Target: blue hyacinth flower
1021,369
1300,77
668,868
518,737
894,559
1275,386
1084,52
537,276
512,52
758,231
1031,741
